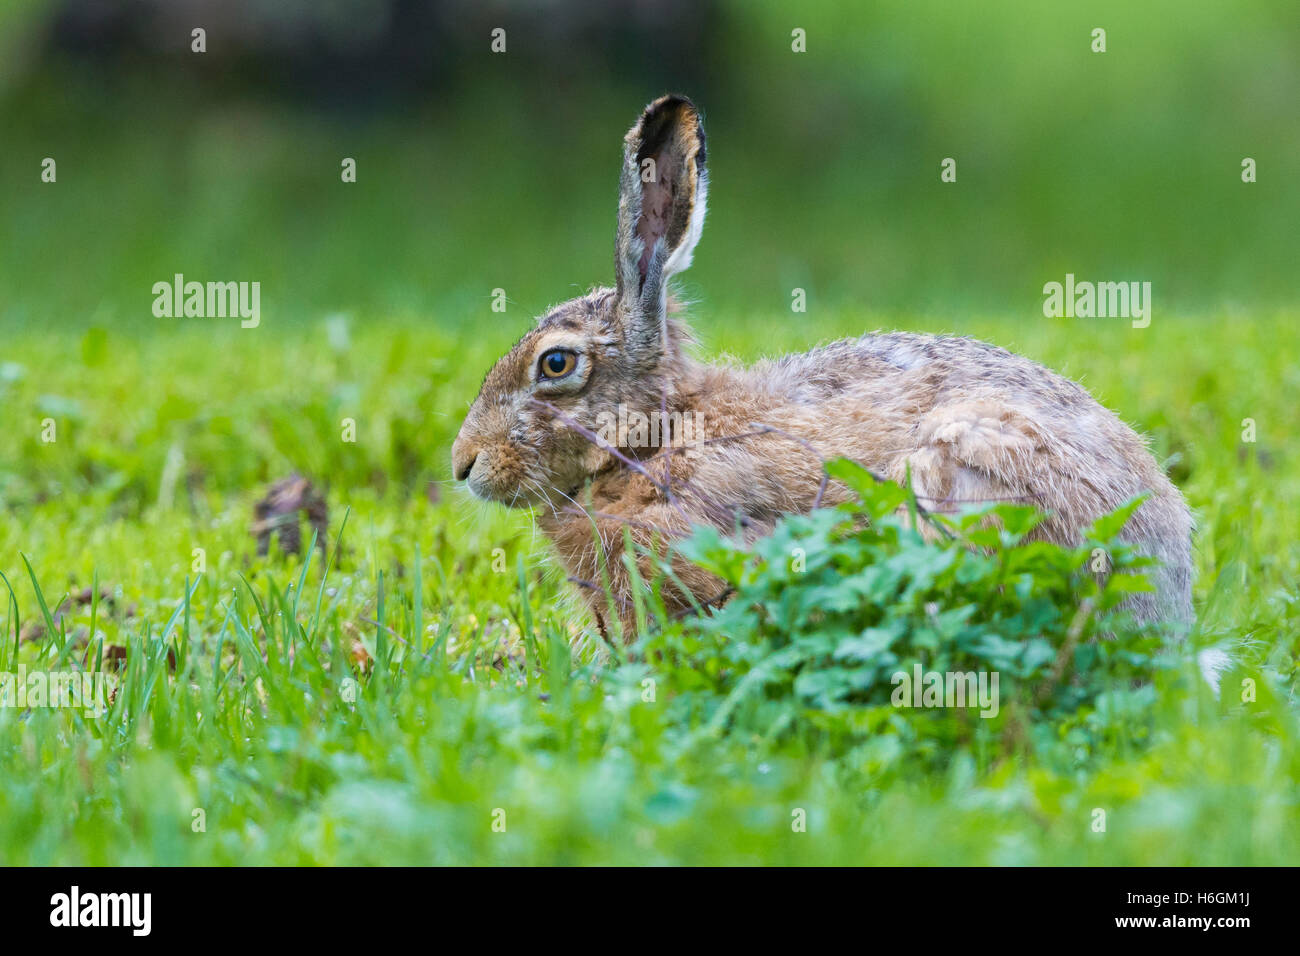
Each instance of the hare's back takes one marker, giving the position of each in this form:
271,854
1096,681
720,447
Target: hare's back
884,391
943,367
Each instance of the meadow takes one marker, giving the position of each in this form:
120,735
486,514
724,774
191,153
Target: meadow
494,693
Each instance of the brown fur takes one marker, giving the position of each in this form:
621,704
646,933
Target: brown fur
972,421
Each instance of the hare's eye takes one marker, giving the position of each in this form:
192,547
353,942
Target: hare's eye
558,363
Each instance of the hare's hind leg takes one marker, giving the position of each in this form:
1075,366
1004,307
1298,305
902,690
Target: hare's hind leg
982,450
972,452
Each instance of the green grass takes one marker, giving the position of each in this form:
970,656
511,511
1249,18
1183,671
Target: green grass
489,692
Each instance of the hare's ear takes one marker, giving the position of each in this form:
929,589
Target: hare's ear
660,207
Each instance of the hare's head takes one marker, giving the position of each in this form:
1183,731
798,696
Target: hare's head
528,438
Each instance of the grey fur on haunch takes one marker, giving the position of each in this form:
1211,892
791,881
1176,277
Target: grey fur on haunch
968,421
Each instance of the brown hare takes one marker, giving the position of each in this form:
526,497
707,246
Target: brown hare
600,419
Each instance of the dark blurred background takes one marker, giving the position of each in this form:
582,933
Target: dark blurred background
478,170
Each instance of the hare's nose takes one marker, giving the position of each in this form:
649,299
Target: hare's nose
463,456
